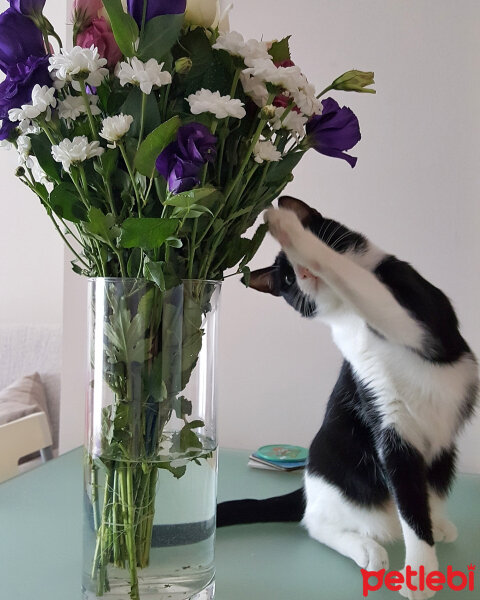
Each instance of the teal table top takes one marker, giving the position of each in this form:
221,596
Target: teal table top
40,540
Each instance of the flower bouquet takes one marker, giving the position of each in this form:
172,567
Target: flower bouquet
153,143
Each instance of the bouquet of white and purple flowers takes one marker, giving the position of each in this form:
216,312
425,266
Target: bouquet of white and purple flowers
153,143
156,141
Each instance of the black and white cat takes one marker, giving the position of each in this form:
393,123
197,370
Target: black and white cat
383,460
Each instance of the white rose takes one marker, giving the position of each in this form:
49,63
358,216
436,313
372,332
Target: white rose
202,13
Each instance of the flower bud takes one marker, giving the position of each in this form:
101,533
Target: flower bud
202,13
268,112
183,65
354,81
20,172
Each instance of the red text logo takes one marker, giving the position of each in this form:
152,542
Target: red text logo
434,580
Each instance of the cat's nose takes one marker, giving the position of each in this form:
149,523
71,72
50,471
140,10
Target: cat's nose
304,273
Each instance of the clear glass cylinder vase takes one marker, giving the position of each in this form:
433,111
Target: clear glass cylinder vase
151,448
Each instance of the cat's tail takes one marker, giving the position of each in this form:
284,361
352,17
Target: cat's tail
289,507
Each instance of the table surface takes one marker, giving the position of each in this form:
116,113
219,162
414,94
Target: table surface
40,540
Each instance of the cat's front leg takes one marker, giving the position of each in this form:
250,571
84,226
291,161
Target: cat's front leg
406,472
356,286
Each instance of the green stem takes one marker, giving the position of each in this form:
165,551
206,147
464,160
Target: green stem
83,178
327,89
256,137
132,177
83,91
192,249
142,119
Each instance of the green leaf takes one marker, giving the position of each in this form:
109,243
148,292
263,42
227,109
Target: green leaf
195,424
246,275
159,35
146,233
189,440
255,243
101,226
281,170
174,242
126,336
186,199
123,25
145,305
42,191
153,145
200,51
133,264
153,271
191,212
132,105
235,252
41,148
65,202
109,161
182,406
280,51
218,76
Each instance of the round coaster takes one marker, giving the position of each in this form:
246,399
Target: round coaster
282,453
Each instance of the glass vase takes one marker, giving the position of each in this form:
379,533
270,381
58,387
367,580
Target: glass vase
151,449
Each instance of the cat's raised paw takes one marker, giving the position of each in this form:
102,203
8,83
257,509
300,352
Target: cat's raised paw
283,225
444,531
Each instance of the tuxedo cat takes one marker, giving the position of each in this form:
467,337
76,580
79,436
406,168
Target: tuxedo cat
383,460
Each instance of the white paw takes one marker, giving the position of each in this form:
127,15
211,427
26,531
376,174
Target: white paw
284,225
430,564
444,531
416,595
369,555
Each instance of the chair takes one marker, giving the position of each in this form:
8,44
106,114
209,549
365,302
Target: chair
21,437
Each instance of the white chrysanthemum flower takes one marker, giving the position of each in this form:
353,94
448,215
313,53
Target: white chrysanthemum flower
43,100
71,107
37,172
114,128
288,78
306,100
75,151
255,88
221,106
293,121
6,145
145,75
265,151
24,146
71,65
233,43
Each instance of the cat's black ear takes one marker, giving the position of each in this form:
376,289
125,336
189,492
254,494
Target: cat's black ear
302,210
262,280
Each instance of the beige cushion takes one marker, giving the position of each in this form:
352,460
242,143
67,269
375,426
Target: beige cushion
23,397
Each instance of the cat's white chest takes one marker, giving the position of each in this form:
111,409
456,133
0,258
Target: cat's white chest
420,399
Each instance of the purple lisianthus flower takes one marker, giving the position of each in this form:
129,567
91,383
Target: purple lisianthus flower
155,8
334,131
182,160
28,7
16,88
19,39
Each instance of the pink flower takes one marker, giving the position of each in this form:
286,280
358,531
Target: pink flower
100,35
84,12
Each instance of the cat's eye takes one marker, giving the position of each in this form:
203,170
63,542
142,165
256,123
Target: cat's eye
289,278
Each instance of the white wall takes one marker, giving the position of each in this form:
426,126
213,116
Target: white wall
31,269
414,192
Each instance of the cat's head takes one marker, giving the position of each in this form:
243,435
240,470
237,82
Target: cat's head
307,294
